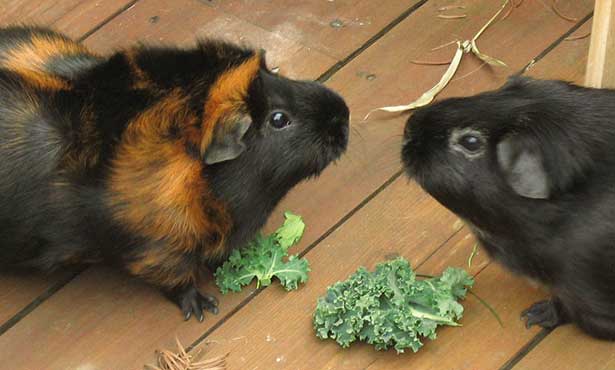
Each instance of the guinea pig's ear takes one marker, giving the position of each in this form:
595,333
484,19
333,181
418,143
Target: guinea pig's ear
523,166
225,117
227,142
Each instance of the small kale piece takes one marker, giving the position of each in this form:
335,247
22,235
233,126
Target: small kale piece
291,232
390,307
263,259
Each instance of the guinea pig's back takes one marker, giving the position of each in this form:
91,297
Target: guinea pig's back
44,51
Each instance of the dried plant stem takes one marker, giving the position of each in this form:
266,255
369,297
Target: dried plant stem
471,72
182,360
480,32
455,16
465,47
560,14
444,45
472,255
510,10
578,37
450,7
430,63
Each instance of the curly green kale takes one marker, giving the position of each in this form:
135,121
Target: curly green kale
263,259
390,307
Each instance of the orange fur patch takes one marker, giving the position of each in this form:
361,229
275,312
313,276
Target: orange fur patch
158,192
142,81
34,55
30,58
160,267
42,80
84,152
227,97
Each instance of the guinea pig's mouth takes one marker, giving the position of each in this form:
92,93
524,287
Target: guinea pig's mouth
337,143
408,155
333,145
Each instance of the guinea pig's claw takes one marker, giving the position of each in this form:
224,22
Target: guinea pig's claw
193,303
545,314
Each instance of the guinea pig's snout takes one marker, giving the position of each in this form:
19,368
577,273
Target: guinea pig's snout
335,127
411,148
338,127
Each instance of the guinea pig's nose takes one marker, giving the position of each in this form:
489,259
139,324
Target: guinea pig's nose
336,131
407,133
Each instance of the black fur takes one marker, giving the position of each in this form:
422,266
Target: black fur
46,225
560,143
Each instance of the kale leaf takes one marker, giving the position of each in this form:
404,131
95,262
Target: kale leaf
390,307
263,259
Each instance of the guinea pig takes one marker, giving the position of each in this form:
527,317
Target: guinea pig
159,160
530,168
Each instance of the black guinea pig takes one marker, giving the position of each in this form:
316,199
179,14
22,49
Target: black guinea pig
158,160
530,167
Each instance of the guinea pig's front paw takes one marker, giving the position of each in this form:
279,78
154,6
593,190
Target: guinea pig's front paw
547,314
193,302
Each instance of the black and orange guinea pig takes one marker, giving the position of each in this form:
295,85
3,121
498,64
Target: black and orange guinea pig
530,167
158,160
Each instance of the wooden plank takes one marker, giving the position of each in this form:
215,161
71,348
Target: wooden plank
182,22
393,223
568,348
600,68
334,27
74,17
372,159
570,57
18,289
116,320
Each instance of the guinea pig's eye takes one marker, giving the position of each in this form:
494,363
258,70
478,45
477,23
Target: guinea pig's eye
471,143
279,120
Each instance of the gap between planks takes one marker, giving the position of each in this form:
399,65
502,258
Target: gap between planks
97,27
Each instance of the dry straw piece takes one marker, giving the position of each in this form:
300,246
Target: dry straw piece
182,360
465,47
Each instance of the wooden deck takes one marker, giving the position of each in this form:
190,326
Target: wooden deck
358,213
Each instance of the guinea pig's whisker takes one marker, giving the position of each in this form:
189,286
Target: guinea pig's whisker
354,130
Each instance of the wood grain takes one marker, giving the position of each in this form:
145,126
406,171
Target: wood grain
182,22
334,27
115,318
18,289
568,348
600,69
74,17
569,56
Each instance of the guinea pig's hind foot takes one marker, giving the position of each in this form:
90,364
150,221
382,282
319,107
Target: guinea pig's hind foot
193,302
547,314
